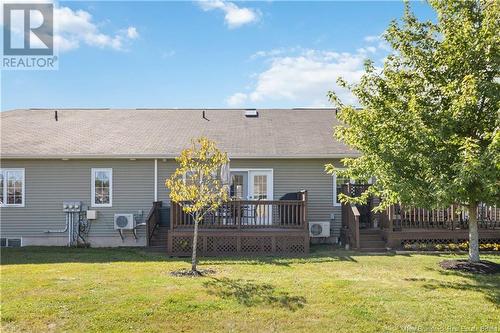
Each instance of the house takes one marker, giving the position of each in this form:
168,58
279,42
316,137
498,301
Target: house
98,176
116,162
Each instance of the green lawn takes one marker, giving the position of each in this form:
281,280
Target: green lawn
60,289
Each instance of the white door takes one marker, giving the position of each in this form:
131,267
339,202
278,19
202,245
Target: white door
260,187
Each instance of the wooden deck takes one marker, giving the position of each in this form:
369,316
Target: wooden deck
399,226
408,225
246,227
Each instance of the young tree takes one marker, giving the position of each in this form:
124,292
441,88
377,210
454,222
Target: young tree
429,125
197,184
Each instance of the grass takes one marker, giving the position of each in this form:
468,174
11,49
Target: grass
61,289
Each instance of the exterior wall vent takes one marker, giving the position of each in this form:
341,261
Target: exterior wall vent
11,242
251,113
14,242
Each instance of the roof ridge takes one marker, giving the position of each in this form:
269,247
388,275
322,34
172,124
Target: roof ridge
173,108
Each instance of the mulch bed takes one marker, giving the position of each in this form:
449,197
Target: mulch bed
190,273
482,267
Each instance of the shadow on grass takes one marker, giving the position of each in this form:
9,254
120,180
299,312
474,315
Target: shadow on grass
318,254
53,255
286,261
487,284
251,293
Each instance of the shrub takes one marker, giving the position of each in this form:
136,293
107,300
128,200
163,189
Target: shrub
422,247
464,246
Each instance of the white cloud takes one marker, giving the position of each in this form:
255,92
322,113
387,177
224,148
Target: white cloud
367,49
303,79
237,99
132,33
378,41
234,16
275,52
75,27
371,38
167,54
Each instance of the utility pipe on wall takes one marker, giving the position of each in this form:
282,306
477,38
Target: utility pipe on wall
59,231
70,228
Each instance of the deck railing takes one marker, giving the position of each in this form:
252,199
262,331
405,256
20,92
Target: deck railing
352,221
248,214
399,217
153,219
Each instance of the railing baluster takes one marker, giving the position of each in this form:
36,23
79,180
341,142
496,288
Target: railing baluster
294,209
249,214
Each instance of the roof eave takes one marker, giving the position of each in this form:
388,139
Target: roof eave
172,156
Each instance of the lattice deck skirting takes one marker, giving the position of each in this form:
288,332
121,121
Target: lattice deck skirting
397,239
231,242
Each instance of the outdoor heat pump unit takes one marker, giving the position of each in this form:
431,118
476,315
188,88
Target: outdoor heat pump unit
124,222
319,229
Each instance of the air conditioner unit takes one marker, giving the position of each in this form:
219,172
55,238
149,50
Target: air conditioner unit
124,221
319,229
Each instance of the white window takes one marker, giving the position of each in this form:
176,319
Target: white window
337,188
12,187
102,187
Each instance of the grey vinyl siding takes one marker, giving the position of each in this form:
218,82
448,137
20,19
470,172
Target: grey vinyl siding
49,182
289,175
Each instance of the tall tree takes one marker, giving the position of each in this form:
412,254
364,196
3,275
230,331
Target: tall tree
429,127
197,184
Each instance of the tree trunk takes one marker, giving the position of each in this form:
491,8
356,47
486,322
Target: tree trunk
473,233
195,244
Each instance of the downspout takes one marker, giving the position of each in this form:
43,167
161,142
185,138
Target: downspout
156,181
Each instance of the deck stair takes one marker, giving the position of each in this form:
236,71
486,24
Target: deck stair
370,240
159,239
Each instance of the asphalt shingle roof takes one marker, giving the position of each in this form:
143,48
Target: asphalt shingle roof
163,133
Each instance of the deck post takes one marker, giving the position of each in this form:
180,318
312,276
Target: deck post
238,214
173,206
452,218
391,218
304,199
170,239
356,223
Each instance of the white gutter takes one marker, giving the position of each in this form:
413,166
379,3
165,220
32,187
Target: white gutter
172,156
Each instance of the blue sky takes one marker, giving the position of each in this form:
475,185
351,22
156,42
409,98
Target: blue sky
205,55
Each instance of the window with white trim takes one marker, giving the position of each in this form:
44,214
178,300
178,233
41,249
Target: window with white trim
12,187
102,187
337,188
